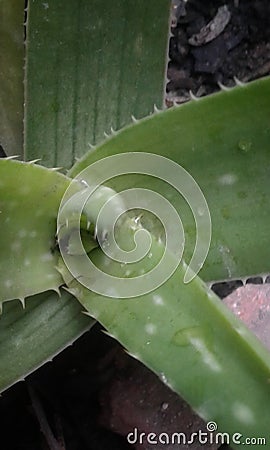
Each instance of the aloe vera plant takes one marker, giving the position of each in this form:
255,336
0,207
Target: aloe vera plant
179,330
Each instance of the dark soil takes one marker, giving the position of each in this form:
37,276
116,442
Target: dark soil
241,50
92,393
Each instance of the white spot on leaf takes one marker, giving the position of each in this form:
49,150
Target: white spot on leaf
207,357
201,211
24,190
227,179
243,413
150,328
15,246
22,233
158,300
46,257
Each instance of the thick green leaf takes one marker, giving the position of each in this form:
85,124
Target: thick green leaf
32,336
11,75
187,336
74,51
29,200
182,331
90,66
223,141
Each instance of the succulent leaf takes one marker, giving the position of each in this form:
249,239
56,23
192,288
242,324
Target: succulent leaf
29,201
63,117
194,344
182,331
11,75
34,330
223,141
86,45
26,337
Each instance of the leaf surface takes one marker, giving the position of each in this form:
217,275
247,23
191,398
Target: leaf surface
29,337
223,141
29,200
182,331
90,66
11,75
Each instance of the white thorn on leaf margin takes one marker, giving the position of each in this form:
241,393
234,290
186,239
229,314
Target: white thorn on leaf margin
239,82
34,161
86,313
156,109
22,300
57,290
113,336
223,87
55,169
12,157
193,96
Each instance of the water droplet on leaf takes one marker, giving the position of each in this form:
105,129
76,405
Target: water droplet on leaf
244,145
184,336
